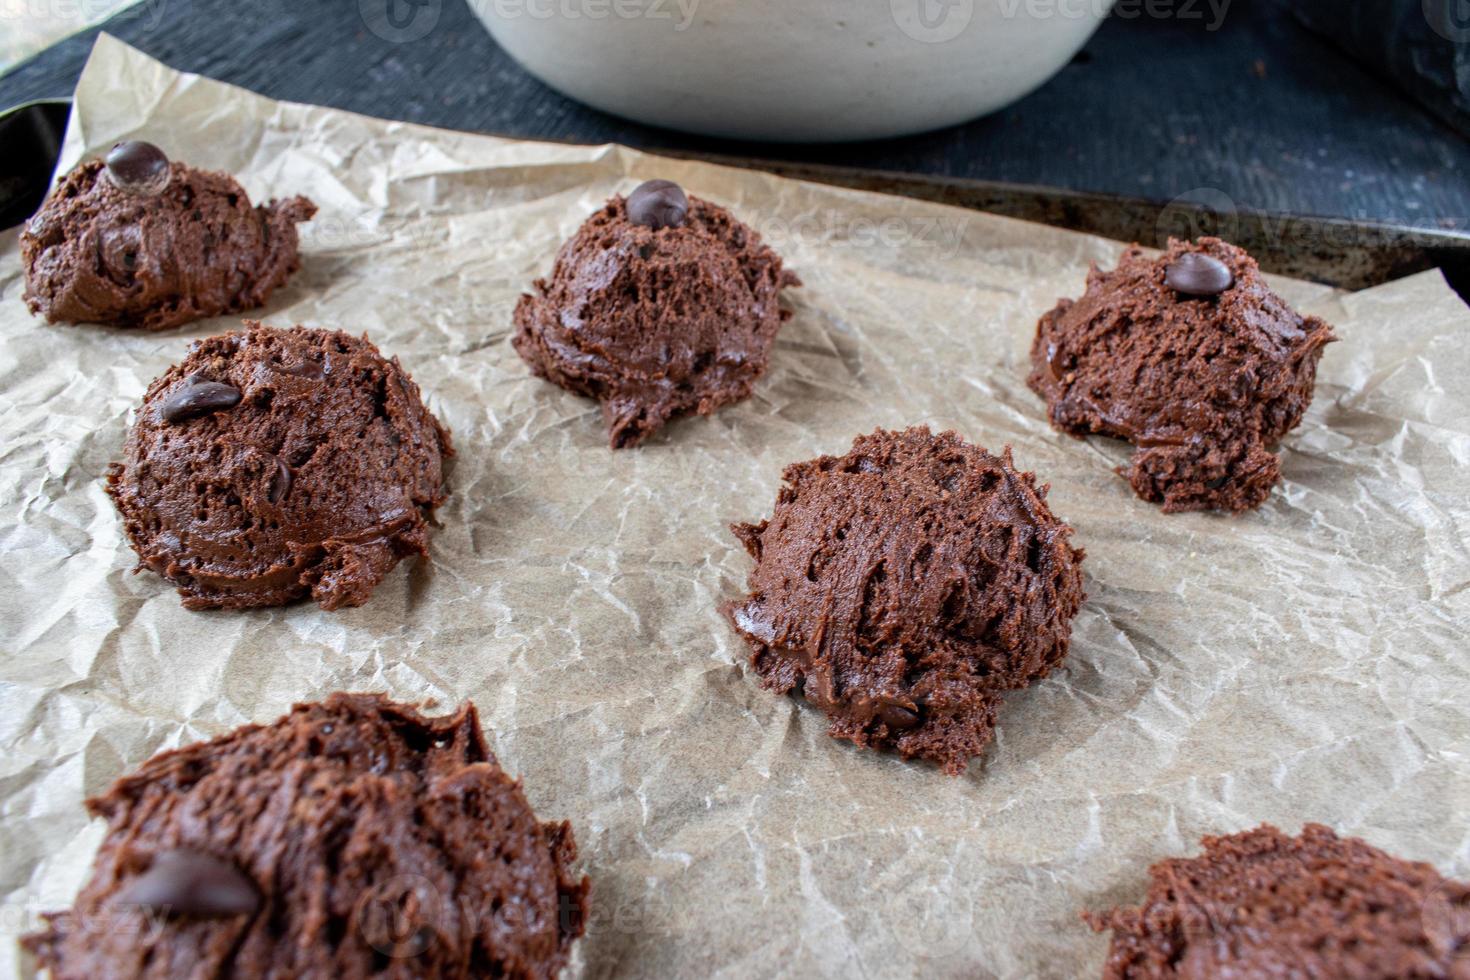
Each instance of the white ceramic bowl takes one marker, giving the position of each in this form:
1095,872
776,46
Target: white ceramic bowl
794,70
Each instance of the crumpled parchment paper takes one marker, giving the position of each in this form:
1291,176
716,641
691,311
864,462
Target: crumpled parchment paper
1307,661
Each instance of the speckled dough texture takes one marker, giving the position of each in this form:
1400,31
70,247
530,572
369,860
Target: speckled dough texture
1204,387
317,482
382,844
655,323
1263,905
97,254
905,587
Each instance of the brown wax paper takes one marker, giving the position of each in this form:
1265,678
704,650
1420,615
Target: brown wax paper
1304,662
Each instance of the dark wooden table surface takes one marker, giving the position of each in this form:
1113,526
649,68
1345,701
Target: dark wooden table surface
1257,114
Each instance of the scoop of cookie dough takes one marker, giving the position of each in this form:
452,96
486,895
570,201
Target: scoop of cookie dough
275,464
658,317
1262,904
135,252
905,587
352,838
1203,383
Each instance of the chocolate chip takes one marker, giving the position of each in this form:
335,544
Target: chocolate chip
198,398
1057,361
184,881
280,482
1217,483
1198,274
138,167
897,716
658,204
303,369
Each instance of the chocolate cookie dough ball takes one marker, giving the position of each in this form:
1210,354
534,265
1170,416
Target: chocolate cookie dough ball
659,306
1193,359
138,241
350,839
275,464
1262,904
904,588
